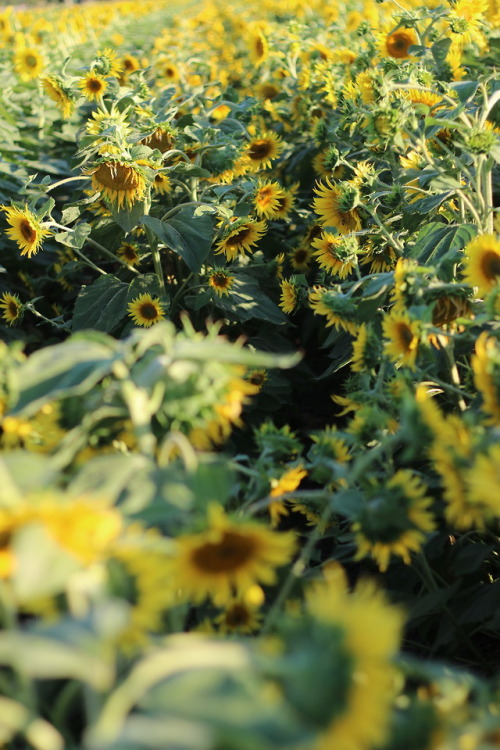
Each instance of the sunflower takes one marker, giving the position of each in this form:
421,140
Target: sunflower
60,94
93,85
403,336
266,199
398,43
25,229
228,558
335,205
360,350
221,282
240,238
161,183
259,48
486,367
29,63
146,310
482,481
162,139
287,482
394,521
129,253
239,617
12,309
482,263
339,310
109,62
289,296
261,151
380,258
300,258
336,255
120,182
365,683
257,378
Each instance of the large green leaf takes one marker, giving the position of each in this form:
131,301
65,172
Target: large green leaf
247,301
188,233
67,369
101,305
440,245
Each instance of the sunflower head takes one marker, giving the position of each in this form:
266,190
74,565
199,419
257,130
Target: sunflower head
130,253
120,182
397,44
25,229
220,281
146,310
289,296
482,263
240,237
12,309
403,337
93,86
60,94
28,63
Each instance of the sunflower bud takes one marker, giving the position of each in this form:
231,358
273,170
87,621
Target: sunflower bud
348,196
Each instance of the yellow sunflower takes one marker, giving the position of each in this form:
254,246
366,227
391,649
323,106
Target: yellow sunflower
398,43
93,86
362,719
161,183
486,367
403,336
395,520
287,482
11,307
120,182
359,349
336,255
129,253
239,616
25,229
241,238
260,152
482,481
338,311
482,263
221,282
300,258
29,63
289,296
228,558
55,89
146,310
335,205
266,199
162,139
259,48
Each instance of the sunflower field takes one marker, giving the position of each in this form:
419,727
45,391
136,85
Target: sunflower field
250,375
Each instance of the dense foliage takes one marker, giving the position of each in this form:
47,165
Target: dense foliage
250,376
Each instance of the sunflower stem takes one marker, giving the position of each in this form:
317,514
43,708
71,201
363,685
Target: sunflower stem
153,241
181,290
65,326
63,182
389,237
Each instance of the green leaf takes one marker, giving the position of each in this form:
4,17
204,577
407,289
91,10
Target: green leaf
74,238
247,301
128,218
186,233
101,305
70,214
465,89
147,283
440,50
67,369
437,239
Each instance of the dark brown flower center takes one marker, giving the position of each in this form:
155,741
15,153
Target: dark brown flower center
225,556
398,44
12,309
219,279
31,61
236,616
28,232
259,47
301,255
239,237
405,336
148,311
117,176
160,139
490,265
260,149
94,84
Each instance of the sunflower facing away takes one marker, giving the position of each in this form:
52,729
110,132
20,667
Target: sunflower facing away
228,558
121,183
395,521
336,255
482,263
25,229
146,310
55,89
11,307
334,206
288,298
365,633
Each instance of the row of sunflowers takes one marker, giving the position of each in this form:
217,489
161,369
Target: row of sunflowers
250,376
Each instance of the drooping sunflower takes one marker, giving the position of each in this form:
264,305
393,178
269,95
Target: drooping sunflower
339,310
289,296
397,43
60,94
365,685
221,282
240,238
336,255
336,206
119,182
146,310
93,86
129,253
403,337
11,307
486,367
28,63
25,229
229,557
394,521
163,139
260,152
482,263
